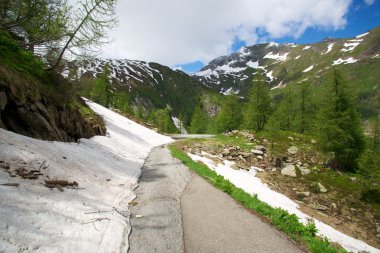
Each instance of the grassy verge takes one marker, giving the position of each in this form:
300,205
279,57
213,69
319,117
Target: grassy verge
282,220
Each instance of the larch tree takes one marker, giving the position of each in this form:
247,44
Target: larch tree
258,107
340,128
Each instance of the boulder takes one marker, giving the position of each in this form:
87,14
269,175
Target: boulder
292,150
289,170
322,188
257,152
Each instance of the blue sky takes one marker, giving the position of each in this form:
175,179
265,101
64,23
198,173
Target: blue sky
360,18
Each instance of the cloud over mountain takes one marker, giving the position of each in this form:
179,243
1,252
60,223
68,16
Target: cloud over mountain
174,32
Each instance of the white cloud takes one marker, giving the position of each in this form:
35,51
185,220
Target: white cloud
369,2
174,32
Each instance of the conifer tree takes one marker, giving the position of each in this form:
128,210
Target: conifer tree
258,108
230,117
339,126
198,121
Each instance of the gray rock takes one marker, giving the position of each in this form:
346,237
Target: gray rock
322,188
304,171
303,194
289,170
293,150
353,179
290,138
334,206
259,157
313,141
257,152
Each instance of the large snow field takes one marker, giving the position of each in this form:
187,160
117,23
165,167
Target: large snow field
253,185
90,218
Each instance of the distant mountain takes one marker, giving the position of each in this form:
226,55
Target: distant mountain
285,64
145,86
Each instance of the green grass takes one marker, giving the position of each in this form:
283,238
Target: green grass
282,220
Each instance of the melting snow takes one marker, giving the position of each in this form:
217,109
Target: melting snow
306,48
349,46
308,69
229,92
179,124
272,44
297,57
92,218
362,35
278,57
329,48
270,75
253,64
346,61
253,185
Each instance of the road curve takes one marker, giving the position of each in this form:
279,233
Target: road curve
183,213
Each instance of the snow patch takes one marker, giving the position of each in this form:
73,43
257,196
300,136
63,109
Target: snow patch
329,48
306,48
229,92
179,124
92,218
253,185
346,61
277,56
362,35
349,46
253,64
308,69
270,75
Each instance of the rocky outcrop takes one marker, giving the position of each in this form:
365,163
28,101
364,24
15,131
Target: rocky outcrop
31,108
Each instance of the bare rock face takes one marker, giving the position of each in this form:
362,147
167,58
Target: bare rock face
26,108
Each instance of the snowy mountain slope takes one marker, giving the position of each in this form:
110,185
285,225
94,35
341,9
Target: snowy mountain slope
139,85
92,217
290,63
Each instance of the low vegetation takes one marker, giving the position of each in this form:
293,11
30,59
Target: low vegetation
289,224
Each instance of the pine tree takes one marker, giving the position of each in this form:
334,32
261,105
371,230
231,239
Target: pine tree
340,127
258,108
305,109
198,121
101,92
230,117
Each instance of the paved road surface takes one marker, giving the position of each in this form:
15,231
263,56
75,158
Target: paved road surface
161,184
183,213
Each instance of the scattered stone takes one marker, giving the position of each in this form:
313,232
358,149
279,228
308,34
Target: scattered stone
235,166
290,138
293,150
139,215
235,131
353,179
274,169
322,188
303,194
260,147
318,207
313,141
257,152
295,189
334,206
265,141
259,157
304,171
289,170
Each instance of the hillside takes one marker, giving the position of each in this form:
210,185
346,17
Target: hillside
39,103
286,64
137,87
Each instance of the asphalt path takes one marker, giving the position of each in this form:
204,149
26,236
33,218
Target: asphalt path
180,212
